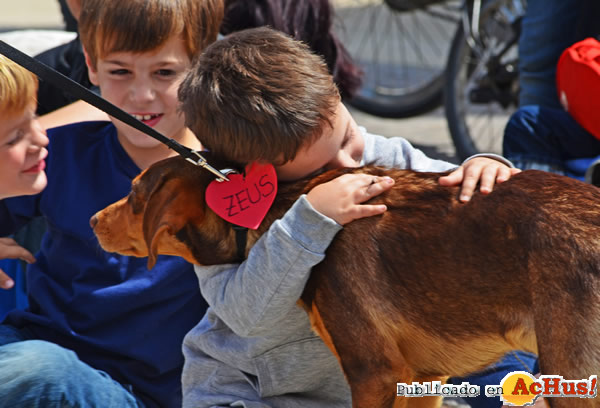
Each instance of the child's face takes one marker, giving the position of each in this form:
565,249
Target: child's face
144,85
341,146
22,154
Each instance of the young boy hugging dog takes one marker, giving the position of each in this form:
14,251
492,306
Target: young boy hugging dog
259,96
22,148
101,330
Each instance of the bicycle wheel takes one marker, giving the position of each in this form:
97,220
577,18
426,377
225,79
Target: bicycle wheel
402,51
481,89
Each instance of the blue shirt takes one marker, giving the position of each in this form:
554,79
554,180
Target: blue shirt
117,315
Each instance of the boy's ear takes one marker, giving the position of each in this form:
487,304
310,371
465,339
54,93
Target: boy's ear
92,72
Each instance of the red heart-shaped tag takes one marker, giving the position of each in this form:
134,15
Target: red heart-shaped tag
243,200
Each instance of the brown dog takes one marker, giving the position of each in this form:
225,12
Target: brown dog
431,288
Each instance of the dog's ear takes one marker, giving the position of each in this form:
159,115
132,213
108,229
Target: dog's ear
162,229
164,215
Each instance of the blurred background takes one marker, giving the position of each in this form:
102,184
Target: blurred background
428,131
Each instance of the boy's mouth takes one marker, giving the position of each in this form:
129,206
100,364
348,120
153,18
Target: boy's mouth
37,168
40,165
149,119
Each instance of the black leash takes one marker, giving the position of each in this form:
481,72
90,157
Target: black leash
67,84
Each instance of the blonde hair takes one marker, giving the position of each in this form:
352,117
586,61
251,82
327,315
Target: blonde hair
18,87
107,26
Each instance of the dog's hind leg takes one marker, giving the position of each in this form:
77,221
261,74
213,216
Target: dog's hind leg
372,391
566,302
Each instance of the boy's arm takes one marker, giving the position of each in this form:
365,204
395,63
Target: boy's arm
397,152
9,223
400,153
253,296
78,111
483,170
9,249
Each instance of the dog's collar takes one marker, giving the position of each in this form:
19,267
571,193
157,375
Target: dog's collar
241,239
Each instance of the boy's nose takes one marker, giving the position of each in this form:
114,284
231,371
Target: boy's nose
39,139
141,91
344,160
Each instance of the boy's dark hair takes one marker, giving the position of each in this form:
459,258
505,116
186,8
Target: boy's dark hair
258,95
107,26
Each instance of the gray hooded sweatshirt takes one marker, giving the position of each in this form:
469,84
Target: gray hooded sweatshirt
255,347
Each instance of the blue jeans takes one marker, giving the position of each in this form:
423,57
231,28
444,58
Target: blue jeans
37,373
547,29
492,375
547,139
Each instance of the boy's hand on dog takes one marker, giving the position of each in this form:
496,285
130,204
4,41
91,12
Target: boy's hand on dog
10,249
482,170
340,199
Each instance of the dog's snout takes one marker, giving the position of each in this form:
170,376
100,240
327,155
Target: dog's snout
93,221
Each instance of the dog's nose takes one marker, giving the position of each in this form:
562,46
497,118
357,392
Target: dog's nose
93,221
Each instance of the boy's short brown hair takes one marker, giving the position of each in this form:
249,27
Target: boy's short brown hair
258,95
18,88
107,26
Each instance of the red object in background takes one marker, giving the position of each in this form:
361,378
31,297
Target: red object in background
578,83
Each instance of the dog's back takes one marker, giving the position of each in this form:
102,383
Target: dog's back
445,288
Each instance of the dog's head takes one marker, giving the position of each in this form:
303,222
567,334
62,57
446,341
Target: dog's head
165,213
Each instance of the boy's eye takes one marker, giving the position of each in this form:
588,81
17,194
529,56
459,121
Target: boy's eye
348,137
165,72
120,71
19,135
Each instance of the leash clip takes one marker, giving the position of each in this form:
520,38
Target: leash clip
201,161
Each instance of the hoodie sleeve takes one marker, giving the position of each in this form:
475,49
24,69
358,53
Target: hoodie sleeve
397,152
253,296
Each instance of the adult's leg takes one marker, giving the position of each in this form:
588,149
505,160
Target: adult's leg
547,29
545,138
37,373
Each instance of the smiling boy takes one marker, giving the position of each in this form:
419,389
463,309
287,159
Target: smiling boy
22,148
22,140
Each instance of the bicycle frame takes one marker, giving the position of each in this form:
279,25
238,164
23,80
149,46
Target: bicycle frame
471,18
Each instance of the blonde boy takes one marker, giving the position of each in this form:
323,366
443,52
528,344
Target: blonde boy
22,141
22,147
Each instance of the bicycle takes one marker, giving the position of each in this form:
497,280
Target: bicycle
402,47
476,76
482,78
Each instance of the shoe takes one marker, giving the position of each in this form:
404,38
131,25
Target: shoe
592,174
